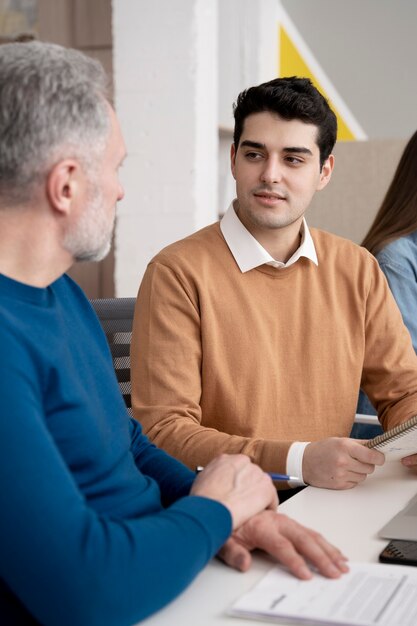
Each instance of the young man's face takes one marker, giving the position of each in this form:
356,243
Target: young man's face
277,171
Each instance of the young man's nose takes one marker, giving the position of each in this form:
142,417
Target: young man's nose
272,171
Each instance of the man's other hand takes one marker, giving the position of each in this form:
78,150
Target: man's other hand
292,544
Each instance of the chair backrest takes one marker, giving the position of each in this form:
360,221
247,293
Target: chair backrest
116,318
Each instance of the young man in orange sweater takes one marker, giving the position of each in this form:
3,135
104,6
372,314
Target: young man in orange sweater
254,334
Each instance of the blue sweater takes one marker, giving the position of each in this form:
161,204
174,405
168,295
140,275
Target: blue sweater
95,526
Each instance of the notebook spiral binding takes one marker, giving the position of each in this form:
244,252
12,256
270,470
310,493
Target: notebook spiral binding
393,433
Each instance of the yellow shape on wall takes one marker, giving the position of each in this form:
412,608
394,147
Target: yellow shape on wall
293,64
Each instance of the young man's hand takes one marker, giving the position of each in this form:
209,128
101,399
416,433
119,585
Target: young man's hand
410,462
339,463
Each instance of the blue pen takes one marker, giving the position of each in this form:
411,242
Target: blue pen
277,477
282,477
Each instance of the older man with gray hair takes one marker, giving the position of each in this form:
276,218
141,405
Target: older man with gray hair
97,525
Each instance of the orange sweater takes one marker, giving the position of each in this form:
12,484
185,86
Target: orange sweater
225,361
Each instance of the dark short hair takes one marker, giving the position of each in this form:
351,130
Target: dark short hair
290,98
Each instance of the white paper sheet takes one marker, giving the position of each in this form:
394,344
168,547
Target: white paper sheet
371,594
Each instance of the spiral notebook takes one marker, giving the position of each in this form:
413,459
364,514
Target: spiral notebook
397,442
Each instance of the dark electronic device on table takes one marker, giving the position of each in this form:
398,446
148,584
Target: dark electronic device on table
400,552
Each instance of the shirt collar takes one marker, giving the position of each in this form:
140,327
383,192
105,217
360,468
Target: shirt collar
249,253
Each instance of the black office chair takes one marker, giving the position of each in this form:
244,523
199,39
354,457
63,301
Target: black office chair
116,318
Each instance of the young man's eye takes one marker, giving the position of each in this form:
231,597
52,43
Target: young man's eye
293,160
253,156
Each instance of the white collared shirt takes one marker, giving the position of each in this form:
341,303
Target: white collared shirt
248,254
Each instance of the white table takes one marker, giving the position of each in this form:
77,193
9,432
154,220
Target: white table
349,519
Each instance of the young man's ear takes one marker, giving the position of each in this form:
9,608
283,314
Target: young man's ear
326,172
233,159
64,184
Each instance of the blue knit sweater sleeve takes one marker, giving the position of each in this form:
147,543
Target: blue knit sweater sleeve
173,477
84,538
398,261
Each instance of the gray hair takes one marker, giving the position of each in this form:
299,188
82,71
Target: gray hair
52,106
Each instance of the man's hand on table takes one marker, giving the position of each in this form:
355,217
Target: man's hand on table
290,543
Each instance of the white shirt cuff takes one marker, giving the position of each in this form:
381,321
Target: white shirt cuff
295,462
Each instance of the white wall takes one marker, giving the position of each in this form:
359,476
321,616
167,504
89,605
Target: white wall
248,55
165,73
248,49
